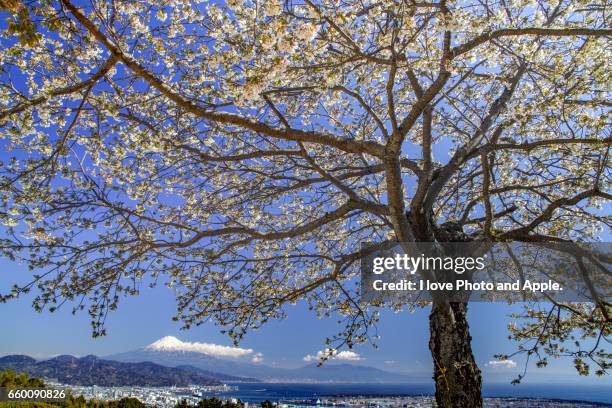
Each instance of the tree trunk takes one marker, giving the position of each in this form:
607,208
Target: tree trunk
457,377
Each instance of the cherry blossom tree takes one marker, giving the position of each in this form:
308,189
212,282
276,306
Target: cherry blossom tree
240,153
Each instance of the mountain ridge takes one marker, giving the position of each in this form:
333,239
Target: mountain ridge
171,352
91,370
169,360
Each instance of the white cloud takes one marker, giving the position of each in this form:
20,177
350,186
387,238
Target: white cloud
257,358
347,355
309,357
333,354
501,364
390,361
170,343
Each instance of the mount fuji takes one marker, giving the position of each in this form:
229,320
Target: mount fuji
172,352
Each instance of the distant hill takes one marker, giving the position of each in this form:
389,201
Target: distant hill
172,355
336,372
91,370
216,375
15,361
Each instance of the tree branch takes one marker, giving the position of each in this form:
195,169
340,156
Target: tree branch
549,211
349,146
104,68
512,32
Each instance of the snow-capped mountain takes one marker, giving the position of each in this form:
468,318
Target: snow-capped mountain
172,344
172,352
167,343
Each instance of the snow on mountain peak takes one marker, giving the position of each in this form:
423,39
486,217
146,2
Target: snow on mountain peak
165,343
172,344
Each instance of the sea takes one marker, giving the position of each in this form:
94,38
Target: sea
258,392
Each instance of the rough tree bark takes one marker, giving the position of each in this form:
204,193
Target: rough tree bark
456,375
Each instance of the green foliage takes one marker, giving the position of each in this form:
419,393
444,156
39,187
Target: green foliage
20,23
126,403
9,379
9,5
78,402
209,403
267,404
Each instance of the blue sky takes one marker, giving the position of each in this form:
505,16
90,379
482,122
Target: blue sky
141,320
